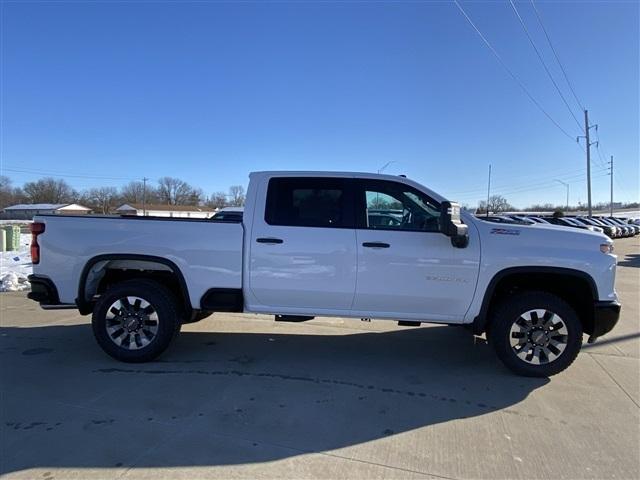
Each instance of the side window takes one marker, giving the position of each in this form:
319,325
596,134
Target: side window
395,206
308,202
383,210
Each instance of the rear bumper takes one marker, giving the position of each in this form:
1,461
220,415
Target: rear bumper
44,291
605,317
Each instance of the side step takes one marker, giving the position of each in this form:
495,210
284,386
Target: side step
408,323
292,318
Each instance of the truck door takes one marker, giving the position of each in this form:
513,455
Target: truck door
303,248
406,267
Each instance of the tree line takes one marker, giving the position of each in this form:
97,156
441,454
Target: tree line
499,204
166,191
174,191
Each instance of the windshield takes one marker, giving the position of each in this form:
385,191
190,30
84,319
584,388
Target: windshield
598,222
538,219
572,222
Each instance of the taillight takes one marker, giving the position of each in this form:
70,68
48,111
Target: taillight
36,229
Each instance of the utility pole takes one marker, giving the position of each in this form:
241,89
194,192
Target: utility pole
488,190
611,202
588,127
144,196
567,186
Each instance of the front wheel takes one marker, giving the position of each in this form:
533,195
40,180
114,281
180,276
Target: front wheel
136,320
535,334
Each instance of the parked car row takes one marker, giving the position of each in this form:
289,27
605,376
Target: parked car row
613,227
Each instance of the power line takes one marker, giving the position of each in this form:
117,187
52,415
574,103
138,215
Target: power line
523,187
526,31
511,190
63,175
555,172
569,175
602,162
524,190
605,164
508,70
555,54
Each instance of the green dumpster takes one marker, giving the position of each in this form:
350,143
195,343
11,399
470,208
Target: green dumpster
12,237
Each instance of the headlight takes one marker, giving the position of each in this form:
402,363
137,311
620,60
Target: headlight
606,247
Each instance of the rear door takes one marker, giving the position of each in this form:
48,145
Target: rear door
303,248
406,267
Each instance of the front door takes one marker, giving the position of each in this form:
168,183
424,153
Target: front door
406,267
303,252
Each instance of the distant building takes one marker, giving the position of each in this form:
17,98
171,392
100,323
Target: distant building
179,211
27,211
229,214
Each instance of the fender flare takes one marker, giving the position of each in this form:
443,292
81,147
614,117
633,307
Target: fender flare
480,321
85,307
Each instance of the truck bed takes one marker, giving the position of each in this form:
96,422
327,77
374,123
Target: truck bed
208,253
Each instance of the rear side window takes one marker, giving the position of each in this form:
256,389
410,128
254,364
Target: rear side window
309,202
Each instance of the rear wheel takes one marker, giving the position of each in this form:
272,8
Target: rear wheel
136,320
535,334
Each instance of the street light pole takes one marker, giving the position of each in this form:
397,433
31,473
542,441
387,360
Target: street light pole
381,169
488,190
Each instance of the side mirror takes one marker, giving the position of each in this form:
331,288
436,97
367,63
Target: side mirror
451,225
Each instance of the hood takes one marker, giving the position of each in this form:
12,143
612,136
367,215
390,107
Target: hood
542,232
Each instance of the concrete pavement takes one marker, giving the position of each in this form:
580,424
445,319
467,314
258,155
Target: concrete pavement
240,396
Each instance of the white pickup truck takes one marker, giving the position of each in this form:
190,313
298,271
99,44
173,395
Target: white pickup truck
332,244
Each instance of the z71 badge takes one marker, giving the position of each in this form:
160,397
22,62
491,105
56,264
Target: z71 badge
505,231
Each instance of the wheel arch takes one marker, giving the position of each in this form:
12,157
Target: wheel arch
576,287
93,279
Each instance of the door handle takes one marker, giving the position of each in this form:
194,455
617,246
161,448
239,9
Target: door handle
375,245
269,240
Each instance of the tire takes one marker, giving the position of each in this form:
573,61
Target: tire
535,334
136,320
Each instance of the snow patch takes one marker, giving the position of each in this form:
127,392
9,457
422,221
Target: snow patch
15,266
13,282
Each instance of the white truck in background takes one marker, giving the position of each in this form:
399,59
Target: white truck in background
332,244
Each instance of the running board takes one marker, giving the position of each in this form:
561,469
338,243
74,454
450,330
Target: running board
60,306
292,318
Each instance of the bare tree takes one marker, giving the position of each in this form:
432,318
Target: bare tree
135,192
49,190
497,204
8,194
544,207
101,199
217,200
195,197
236,196
173,191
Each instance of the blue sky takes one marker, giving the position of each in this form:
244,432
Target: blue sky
209,91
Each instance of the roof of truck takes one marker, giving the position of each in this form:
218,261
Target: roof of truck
378,176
